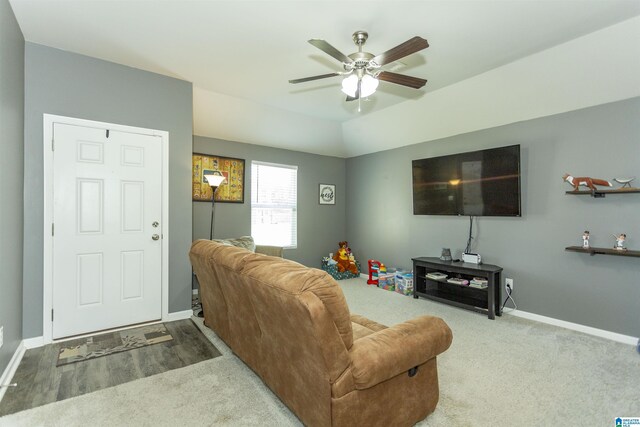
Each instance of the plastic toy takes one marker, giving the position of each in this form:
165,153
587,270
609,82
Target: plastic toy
374,270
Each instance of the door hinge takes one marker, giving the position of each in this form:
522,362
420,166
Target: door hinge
52,229
53,145
52,314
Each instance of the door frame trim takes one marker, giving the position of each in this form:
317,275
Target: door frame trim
47,280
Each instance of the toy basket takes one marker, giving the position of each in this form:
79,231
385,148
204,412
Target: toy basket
333,271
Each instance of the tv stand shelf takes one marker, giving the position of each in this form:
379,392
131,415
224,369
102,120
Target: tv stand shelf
486,301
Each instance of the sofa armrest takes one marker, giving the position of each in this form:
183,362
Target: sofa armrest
270,250
391,351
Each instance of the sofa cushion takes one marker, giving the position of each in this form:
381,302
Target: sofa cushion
293,277
230,257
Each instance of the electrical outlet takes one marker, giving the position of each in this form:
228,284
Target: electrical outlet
508,283
1,335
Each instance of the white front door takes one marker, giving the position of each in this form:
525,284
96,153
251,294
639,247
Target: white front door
107,252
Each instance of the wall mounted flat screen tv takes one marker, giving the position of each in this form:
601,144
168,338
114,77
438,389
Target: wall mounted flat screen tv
477,183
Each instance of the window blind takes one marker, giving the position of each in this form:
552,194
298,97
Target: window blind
274,204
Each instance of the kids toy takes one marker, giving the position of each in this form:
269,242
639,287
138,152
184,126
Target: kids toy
374,270
586,182
345,262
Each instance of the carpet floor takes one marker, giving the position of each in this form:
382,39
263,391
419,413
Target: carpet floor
507,372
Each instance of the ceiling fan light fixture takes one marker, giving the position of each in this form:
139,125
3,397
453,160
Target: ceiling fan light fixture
368,86
362,69
350,85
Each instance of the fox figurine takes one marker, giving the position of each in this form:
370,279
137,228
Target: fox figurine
585,181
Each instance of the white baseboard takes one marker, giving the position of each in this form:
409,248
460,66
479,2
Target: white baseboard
34,342
178,315
625,339
11,368
614,336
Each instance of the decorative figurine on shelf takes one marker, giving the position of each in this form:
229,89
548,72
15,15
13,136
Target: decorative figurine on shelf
620,238
345,263
585,239
626,182
585,181
446,254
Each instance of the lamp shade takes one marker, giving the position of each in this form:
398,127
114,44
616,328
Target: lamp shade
350,85
214,179
368,85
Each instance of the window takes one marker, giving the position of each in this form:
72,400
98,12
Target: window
274,206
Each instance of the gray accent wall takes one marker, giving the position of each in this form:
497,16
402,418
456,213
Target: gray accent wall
68,84
320,227
11,188
599,291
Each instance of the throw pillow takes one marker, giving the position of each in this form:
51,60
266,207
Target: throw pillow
245,242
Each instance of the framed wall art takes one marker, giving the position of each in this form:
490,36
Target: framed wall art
327,194
230,191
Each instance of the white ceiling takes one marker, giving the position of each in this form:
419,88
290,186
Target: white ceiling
250,49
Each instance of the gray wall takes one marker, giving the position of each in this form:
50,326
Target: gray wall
11,186
599,291
320,227
68,84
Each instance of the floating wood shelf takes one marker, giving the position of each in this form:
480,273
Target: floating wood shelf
603,251
602,193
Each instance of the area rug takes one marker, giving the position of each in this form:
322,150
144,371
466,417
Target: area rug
113,342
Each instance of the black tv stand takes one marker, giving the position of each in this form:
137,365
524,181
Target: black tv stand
486,301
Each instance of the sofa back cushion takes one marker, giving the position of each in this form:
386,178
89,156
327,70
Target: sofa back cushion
303,334
295,278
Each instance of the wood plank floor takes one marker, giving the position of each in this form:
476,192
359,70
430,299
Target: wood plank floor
41,382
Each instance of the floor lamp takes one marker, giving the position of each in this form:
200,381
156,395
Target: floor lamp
214,179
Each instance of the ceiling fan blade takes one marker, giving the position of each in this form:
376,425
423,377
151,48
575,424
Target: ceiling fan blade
404,49
308,79
401,79
330,50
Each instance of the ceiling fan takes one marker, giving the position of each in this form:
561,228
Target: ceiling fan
363,68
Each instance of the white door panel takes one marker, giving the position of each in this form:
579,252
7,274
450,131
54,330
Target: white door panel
106,198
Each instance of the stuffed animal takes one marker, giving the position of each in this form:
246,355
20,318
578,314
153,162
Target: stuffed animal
346,262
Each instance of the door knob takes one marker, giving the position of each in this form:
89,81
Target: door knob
155,237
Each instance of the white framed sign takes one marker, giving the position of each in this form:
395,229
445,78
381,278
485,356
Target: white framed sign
327,194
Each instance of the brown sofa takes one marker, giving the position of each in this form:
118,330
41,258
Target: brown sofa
291,325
